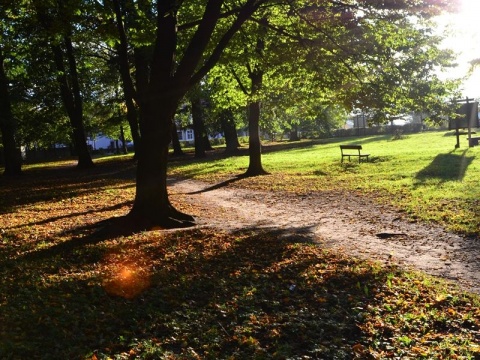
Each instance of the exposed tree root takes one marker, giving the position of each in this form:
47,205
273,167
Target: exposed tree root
137,221
255,172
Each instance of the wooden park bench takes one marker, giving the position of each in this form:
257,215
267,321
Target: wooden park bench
350,153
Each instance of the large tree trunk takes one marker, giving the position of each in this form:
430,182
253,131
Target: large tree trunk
72,99
158,102
152,206
13,159
170,77
229,131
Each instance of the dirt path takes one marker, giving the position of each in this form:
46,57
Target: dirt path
340,220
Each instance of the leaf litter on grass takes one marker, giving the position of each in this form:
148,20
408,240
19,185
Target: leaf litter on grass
206,294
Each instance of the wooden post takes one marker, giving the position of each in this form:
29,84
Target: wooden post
457,145
467,100
469,125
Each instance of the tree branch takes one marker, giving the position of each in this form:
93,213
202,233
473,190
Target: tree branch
244,14
239,81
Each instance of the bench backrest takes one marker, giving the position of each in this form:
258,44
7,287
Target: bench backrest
356,147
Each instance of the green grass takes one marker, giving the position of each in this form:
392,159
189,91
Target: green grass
422,174
68,291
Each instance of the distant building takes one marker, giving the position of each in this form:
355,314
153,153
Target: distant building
185,135
103,142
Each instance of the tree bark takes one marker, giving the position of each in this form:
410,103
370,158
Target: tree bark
72,100
198,127
124,143
294,133
256,76
206,140
13,159
129,91
229,129
169,79
255,167
177,148
141,56
152,206
255,147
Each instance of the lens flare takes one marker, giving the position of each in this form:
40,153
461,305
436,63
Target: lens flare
127,281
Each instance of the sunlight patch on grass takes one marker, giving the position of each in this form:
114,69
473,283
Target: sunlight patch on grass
421,173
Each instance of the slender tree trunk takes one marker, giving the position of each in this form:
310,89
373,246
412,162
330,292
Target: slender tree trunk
124,143
68,80
72,100
13,159
128,87
198,127
206,141
256,76
177,147
229,131
294,133
84,157
255,147
129,94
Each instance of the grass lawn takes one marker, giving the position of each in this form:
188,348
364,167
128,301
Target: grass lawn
422,174
69,291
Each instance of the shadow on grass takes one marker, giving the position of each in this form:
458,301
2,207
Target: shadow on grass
70,215
208,295
81,236
219,185
60,183
445,167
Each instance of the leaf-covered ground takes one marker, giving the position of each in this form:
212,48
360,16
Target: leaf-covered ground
70,289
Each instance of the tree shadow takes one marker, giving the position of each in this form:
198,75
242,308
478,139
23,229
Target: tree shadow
60,183
219,185
71,215
445,167
80,237
219,295
320,173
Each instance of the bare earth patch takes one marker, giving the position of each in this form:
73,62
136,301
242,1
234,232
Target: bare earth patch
340,220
